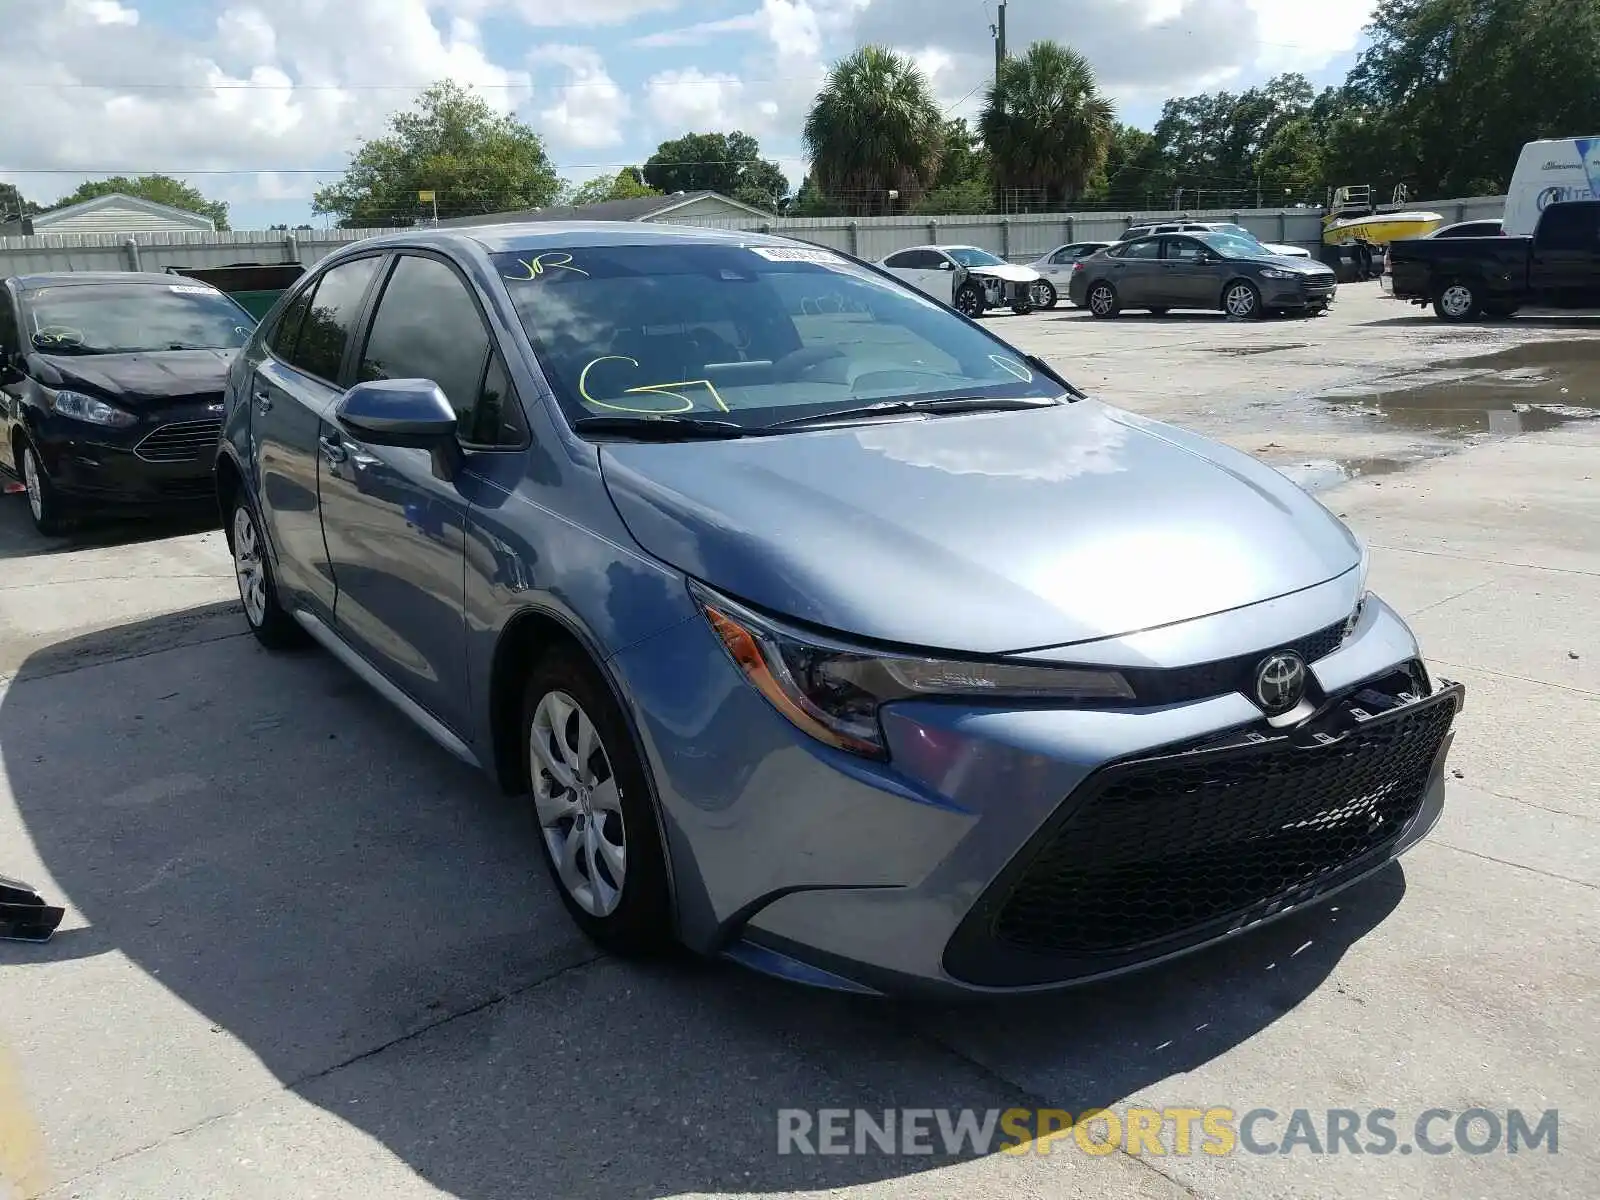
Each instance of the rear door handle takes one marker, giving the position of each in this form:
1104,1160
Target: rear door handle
333,448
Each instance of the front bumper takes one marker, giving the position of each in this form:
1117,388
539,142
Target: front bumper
1292,293
166,459
958,867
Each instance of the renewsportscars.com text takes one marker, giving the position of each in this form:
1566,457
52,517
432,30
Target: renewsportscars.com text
1166,1131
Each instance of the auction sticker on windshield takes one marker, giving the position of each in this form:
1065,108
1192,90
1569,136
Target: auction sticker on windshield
796,254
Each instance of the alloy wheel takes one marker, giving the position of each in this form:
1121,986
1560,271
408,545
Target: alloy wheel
1240,300
1101,300
249,567
1456,300
967,303
578,803
31,479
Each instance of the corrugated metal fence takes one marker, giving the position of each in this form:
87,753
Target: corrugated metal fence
1019,237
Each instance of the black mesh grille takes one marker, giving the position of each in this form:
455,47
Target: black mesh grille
182,441
1160,847
1184,684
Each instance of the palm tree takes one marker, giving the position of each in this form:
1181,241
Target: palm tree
1045,123
875,128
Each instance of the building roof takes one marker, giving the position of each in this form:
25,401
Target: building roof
639,208
42,221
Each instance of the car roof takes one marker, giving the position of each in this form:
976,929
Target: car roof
31,283
514,236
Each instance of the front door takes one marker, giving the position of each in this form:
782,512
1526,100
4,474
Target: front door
1564,263
292,386
396,530
1185,277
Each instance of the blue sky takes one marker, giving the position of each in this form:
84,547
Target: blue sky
263,99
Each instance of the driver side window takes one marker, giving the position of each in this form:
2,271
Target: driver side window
428,326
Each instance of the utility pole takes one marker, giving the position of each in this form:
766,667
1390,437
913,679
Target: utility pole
999,31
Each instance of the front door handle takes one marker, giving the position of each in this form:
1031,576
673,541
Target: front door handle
263,401
333,448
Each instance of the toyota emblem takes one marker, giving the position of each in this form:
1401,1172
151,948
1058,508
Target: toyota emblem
1280,683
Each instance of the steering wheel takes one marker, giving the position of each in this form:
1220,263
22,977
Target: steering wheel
795,363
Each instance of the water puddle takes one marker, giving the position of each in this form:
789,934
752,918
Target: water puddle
1320,474
1524,389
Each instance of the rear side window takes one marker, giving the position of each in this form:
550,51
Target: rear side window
325,332
281,340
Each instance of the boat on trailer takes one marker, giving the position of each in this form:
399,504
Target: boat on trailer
1353,217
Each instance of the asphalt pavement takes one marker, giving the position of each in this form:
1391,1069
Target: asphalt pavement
308,954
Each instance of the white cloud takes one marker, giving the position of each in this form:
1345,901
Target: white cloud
581,12
683,101
104,12
591,108
701,33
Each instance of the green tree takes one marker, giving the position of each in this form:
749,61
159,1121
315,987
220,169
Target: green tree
624,185
1046,125
965,161
967,196
810,202
1452,89
474,159
764,186
873,129
158,189
1211,145
1289,169
716,162
1133,175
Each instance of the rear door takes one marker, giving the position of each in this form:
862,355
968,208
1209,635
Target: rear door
293,385
1564,263
396,531
1133,271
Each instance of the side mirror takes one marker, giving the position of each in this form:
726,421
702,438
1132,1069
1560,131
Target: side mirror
413,413
398,412
944,264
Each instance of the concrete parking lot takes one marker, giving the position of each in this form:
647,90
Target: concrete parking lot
308,954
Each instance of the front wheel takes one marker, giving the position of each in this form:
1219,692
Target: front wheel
1044,295
969,301
591,798
273,627
1241,301
51,514
1457,302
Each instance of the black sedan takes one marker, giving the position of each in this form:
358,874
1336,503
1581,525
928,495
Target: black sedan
1199,270
111,390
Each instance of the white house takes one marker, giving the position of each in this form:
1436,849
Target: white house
115,213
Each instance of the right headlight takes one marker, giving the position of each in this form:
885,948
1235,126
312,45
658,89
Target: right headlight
832,691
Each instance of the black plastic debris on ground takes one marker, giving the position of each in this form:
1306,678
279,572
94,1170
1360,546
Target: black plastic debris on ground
24,916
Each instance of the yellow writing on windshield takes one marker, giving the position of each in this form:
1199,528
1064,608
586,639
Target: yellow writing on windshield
535,268
668,390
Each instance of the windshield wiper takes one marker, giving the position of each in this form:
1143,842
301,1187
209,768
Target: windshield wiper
926,404
662,429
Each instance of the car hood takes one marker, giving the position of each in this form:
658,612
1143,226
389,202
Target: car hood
1284,250
134,379
985,533
1286,262
1011,272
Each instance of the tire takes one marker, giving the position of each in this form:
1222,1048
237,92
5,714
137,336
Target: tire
1022,310
1456,301
52,515
1045,296
1102,300
1241,300
584,827
273,627
969,301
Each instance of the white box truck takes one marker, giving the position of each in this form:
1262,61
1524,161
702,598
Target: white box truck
1548,172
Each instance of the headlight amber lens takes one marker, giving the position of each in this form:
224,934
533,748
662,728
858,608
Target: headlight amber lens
833,693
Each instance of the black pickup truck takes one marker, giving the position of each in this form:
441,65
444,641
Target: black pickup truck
1468,278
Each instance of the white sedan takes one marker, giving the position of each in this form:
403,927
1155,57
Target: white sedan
1055,270
968,278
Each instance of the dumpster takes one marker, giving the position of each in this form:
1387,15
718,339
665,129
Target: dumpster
254,286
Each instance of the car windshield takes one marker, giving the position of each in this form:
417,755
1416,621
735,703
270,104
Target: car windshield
748,334
1231,245
119,318
971,256
1238,231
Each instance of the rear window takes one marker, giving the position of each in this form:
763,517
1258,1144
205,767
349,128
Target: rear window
745,333
121,318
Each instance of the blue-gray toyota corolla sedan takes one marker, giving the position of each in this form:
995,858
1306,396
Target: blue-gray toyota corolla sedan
824,629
